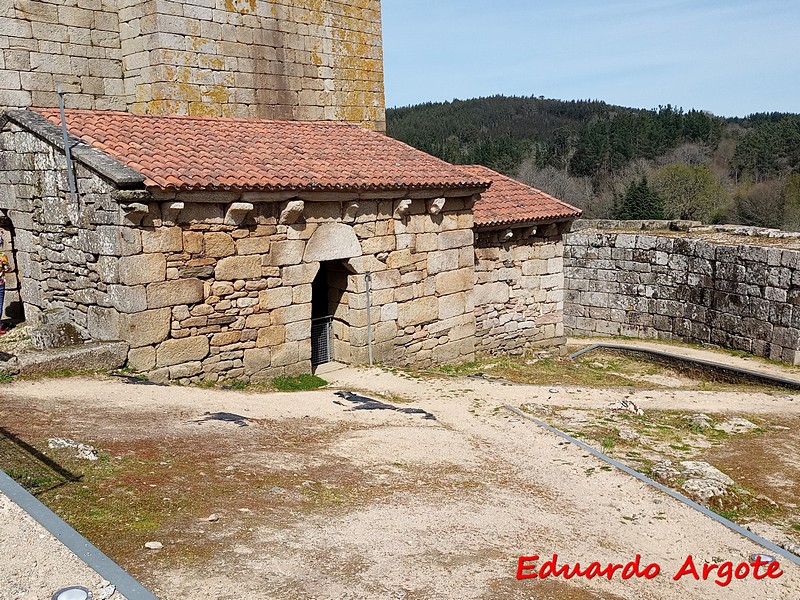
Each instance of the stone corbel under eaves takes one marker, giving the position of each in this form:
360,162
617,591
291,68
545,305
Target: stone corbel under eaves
237,213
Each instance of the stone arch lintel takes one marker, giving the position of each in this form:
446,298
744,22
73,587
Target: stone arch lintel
332,241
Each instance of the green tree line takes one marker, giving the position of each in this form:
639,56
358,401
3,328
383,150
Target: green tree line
617,162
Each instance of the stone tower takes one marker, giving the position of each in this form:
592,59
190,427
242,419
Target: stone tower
277,59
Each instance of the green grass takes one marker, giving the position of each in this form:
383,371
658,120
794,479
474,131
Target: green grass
608,442
461,369
600,368
298,383
30,481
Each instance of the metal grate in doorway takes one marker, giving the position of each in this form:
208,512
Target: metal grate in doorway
321,340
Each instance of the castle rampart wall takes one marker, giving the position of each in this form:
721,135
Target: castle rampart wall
735,287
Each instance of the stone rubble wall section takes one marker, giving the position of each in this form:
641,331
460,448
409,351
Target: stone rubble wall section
201,300
63,248
678,287
519,293
280,59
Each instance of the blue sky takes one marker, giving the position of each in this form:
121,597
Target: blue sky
731,57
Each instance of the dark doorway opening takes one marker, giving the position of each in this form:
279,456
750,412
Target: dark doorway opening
329,328
321,318
13,309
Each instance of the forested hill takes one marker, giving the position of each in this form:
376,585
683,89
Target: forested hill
623,162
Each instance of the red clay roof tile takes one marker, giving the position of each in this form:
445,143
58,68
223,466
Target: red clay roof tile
509,201
195,153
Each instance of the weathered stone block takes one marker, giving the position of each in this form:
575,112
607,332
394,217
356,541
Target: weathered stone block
174,292
252,245
389,312
110,240
197,212
258,320
162,239
145,328
287,253
452,306
141,359
103,323
238,267
48,336
185,370
290,314
226,337
332,241
446,260
301,294
299,274
491,293
256,360
416,312
386,279
108,269
275,298
455,239
142,268
286,354
217,244
192,242
175,352
128,299
451,282
92,356
297,331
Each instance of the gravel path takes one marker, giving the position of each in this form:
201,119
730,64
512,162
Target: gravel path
504,488
34,564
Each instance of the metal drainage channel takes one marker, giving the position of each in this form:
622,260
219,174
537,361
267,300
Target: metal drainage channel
79,545
757,376
772,547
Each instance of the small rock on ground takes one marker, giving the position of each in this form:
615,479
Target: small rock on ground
700,420
703,470
705,488
736,425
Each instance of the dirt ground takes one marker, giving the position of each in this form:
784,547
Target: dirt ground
301,496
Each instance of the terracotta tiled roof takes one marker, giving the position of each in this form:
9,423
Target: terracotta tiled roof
508,201
193,153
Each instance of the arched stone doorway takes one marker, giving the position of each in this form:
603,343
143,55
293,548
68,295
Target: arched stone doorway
330,245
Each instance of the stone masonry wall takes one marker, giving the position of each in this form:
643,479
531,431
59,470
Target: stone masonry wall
519,293
201,294
279,59
695,287
64,249
241,294
75,42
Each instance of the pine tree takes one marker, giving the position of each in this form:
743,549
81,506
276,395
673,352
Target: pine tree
641,202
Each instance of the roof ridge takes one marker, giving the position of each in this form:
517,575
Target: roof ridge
292,122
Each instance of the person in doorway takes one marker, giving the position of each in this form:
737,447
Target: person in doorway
5,267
